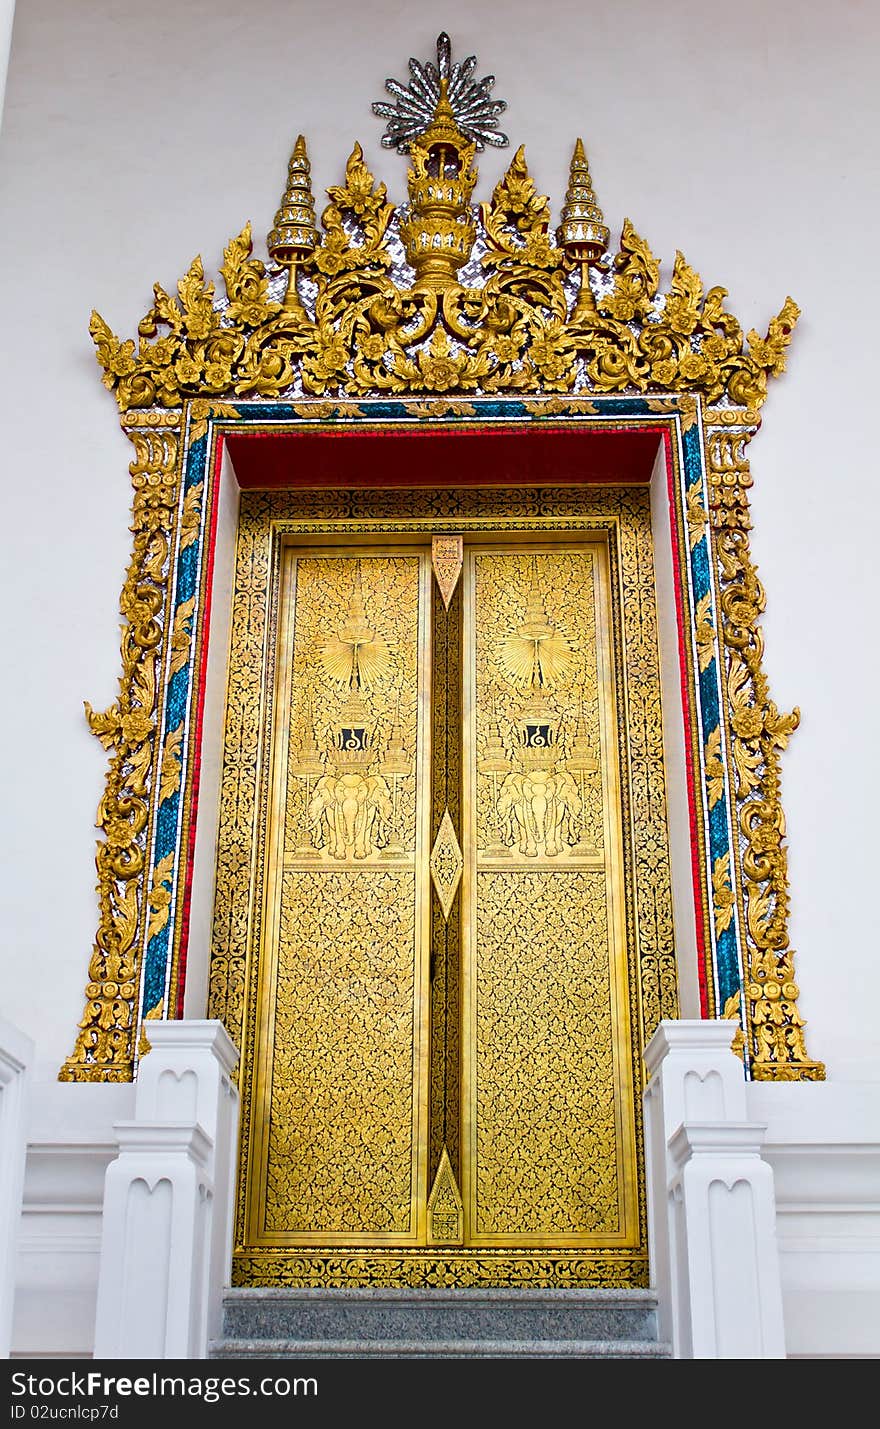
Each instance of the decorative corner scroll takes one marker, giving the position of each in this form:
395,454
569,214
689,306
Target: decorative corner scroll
131,892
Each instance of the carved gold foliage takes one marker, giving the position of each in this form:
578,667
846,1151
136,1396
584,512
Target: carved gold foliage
780,1052
104,1049
191,515
517,224
169,771
361,198
160,896
202,412
181,635
561,406
714,767
732,1009
759,731
697,520
723,896
437,407
323,411
704,631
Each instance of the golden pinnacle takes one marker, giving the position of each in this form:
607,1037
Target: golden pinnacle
294,235
438,234
582,233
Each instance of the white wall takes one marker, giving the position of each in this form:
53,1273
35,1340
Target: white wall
135,136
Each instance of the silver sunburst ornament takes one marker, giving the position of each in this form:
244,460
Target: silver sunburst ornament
475,113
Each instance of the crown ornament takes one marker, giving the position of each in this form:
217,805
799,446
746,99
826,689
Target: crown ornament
474,113
439,233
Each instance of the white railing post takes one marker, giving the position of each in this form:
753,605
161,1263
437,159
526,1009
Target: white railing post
169,1200
16,1055
711,1210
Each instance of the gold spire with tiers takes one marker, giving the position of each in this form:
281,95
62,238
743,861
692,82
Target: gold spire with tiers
294,236
582,233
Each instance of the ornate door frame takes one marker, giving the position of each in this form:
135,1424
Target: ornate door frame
444,316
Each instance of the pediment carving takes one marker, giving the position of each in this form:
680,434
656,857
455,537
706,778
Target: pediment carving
440,295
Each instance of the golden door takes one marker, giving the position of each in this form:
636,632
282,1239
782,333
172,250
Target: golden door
442,1047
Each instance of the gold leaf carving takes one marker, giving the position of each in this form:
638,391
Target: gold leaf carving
446,559
160,896
689,412
247,286
153,1015
697,518
181,636
723,895
169,774
191,516
105,1044
202,412
561,406
440,408
704,631
714,767
732,1009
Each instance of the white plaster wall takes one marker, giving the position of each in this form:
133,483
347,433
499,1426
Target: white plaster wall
71,1141
822,1142
7,11
136,136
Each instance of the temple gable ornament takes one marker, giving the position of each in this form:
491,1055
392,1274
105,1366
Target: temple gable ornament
441,310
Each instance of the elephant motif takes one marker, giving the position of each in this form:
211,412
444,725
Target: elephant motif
536,806
349,809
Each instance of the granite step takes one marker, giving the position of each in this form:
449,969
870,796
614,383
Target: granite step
438,1324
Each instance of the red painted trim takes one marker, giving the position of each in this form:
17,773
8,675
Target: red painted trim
432,455
687,706
196,741
634,454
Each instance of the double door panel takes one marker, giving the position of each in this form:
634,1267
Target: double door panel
442,985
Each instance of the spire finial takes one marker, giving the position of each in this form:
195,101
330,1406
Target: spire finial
582,233
294,235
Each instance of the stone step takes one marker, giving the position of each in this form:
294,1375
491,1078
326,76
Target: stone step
492,1349
438,1323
